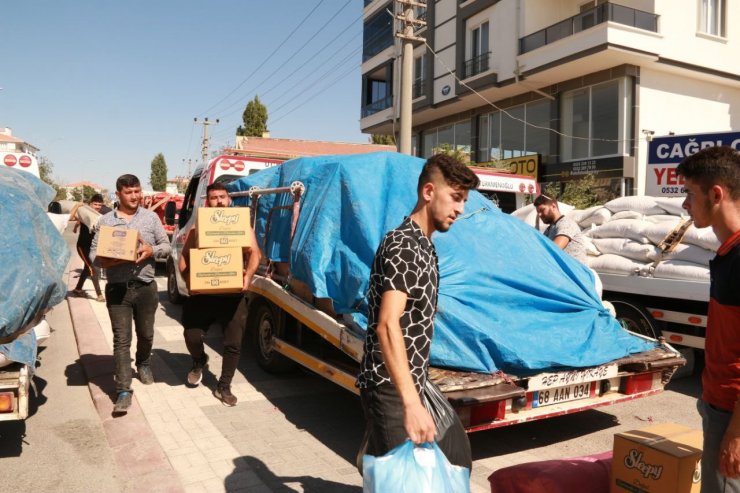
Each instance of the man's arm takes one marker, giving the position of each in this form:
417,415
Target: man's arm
416,419
255,256
161,247
561,241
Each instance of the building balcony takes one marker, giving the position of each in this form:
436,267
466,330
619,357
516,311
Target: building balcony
476,65
607,12
376,106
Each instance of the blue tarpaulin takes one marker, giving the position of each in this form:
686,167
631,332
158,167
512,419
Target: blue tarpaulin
33,255
509,299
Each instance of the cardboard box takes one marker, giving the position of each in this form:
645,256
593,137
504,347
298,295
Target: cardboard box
658,459
216,270
117,243
223,227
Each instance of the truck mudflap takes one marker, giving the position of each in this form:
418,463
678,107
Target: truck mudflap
14,383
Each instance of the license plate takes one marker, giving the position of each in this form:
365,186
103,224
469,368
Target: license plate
558,395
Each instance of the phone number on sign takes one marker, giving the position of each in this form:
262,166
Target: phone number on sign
680,190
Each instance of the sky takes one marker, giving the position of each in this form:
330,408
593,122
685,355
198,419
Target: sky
102,86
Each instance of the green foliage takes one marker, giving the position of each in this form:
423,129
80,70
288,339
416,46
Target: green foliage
158,177
46,170
255,119
87,192
388,140
581,193
77,194
457,153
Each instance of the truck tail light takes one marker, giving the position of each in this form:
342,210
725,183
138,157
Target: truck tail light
6,402
642,382
488,413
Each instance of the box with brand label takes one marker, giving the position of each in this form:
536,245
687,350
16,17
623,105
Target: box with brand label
117,243
658,459
216,270
223,227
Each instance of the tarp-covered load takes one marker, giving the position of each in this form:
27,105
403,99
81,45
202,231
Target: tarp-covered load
33,255
509,299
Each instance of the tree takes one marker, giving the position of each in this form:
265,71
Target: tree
255,119
87,193
457,153
46,169
387,140
158,178
581,194
77,194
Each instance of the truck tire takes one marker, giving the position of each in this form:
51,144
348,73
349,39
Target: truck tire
173,294
635,318
266,326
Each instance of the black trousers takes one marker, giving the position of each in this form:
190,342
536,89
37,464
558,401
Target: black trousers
88,270
131,304
198,312
384,428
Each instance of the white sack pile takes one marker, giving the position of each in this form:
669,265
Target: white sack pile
626,242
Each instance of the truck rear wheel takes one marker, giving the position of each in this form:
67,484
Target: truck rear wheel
266,328
635,318
173,294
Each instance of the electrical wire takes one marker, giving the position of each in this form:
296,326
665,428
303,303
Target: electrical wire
269,57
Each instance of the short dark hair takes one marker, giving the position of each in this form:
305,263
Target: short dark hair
127,181
96,198
717,165
454,173
217,185
543,199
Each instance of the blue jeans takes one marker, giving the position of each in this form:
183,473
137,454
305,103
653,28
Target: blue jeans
714,422
132,303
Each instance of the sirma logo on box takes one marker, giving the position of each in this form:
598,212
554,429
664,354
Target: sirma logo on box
119,234
211,258
634,461
222,217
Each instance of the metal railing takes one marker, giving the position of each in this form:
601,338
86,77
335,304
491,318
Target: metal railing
587,19
476,65
376,106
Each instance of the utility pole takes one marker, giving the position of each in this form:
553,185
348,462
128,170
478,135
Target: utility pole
408,37
189,161
204,147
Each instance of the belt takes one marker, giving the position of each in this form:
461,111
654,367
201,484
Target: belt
131,284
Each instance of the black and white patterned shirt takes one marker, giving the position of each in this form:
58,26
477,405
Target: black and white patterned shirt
405,261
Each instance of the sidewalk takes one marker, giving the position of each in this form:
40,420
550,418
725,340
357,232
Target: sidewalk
176,438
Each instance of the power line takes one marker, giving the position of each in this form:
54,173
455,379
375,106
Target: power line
294,54
340,77
266,58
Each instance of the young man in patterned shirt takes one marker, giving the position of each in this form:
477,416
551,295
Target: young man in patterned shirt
402,301
712,178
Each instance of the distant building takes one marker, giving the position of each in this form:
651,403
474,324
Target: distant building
583,84
69,188
17,153
268,147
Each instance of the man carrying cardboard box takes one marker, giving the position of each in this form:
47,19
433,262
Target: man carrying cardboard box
713,199
200,310
131,292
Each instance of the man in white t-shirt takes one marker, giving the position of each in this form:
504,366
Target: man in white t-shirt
564,232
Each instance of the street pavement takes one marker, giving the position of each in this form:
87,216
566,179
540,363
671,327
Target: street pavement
288,433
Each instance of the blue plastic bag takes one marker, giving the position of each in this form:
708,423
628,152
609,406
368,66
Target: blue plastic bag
413,469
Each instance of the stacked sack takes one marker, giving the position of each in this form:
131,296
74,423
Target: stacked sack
622,238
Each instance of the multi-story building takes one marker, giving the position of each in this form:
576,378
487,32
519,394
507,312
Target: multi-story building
583,84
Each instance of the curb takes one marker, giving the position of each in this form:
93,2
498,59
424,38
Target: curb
136,451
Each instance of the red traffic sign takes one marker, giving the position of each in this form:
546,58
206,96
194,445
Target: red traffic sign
9,160
25,161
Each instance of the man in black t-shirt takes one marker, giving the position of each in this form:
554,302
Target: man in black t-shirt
402,301
84,241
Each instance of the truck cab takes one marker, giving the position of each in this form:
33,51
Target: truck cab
507,190
222,169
